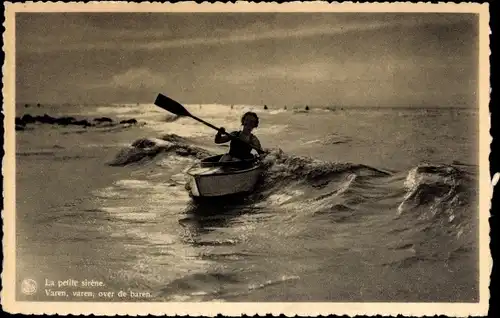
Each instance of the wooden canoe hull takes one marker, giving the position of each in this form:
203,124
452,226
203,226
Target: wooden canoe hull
219,180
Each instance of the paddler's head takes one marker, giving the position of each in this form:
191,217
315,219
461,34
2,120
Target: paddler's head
249,120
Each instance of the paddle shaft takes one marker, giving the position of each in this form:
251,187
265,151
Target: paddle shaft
204,122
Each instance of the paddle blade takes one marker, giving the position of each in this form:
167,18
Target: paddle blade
171,105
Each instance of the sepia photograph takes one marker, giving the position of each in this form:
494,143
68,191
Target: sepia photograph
244,156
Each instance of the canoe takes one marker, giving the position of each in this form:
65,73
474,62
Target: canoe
211,178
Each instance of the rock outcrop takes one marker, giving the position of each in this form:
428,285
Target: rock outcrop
27,119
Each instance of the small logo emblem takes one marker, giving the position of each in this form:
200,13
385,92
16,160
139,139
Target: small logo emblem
28,287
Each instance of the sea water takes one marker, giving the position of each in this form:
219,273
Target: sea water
355,204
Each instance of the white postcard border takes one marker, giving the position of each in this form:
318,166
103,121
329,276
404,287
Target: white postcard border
235,309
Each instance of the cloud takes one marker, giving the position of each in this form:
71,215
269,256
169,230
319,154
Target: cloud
134,79
156,41
304,72
77,32
316,72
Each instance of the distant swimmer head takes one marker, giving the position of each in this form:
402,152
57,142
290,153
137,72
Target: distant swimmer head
250,120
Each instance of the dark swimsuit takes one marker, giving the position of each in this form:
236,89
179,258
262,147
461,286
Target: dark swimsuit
240,149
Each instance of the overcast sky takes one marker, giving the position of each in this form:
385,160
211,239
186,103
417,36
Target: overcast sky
344,59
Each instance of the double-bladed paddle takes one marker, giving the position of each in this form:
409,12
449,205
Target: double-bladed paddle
176,108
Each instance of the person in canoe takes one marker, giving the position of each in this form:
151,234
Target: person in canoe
241,149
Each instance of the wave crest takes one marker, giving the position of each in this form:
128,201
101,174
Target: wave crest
148,148
283,167
436,191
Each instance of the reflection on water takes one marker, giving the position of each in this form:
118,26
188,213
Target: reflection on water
204,216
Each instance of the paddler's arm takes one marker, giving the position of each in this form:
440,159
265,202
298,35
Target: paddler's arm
256,143
222,136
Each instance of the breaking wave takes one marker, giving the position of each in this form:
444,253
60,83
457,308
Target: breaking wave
148,148
281,166
432,193
437,187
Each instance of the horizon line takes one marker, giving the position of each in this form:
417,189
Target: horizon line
302,105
